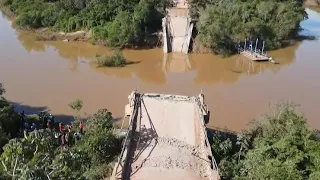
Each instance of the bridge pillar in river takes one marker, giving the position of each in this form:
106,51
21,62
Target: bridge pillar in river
177,28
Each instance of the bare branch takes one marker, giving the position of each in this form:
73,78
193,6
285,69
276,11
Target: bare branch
15,166
5,167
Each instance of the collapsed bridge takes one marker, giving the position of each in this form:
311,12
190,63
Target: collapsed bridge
166,139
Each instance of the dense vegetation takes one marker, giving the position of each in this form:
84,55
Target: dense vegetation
222,23
39,155
118,22
114,60
278,146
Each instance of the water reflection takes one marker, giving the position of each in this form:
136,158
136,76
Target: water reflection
176,62
151,68
29,43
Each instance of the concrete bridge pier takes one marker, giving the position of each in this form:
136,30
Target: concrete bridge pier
177,28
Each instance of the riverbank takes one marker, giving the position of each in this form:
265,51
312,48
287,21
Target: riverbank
132,24
46,34
138,24
312,3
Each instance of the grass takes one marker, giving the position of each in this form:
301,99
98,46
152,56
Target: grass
114,60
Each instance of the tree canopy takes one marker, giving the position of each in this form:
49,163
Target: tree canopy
222,23
277,146
118,22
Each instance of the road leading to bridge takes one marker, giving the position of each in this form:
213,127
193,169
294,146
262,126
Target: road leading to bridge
167,140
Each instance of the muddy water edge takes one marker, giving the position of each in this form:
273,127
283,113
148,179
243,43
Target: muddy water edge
49,75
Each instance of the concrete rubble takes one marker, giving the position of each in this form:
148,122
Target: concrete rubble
167,141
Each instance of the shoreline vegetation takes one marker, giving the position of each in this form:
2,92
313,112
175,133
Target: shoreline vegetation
115,23
38,152
279,145
134,24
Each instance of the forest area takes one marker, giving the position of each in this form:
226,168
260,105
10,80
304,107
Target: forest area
222,23
118,23
130,23
38,153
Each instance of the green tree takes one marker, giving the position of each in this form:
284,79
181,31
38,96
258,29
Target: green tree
76,106
224,22
122,30
277,146
2,90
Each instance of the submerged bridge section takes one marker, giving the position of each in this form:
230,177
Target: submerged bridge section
166,139
177,27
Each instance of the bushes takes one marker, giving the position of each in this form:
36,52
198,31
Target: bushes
40,156
115,60
122,30
278,146
30,19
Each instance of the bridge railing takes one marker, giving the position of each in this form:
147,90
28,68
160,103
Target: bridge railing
257,51
213,160
128,136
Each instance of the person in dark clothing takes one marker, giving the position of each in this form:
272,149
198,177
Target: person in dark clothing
41,118
22,120
33,126
45,120
26,126
51,117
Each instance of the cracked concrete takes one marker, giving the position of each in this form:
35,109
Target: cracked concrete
167,140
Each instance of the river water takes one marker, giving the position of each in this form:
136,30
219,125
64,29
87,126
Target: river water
49,75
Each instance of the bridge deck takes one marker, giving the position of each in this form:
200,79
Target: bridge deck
168,141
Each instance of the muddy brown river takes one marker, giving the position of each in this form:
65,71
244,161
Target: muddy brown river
49,75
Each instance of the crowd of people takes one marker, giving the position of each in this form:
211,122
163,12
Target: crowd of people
47,121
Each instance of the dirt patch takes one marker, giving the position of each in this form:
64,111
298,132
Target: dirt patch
45,34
